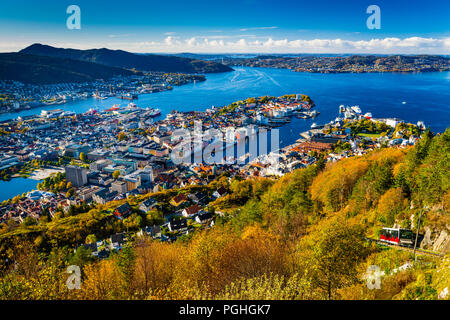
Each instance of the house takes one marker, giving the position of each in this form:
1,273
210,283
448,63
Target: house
103,196
220,192
178,200
154,231
192,210
203,217
308,146
117,241
175,225
148,205
123,211
198,197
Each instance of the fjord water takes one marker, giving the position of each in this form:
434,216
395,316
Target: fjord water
426,97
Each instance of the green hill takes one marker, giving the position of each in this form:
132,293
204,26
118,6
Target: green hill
128,60
38,69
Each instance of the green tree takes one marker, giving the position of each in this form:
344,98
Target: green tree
29,221
329,256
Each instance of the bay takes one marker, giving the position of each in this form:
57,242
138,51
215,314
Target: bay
426,95
10,189
409,96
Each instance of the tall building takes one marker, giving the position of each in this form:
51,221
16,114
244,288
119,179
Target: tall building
76,175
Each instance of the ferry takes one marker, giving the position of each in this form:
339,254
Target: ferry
113,108
316,126
155,113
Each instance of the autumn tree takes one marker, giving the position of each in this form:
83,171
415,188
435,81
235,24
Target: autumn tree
116,174
329,255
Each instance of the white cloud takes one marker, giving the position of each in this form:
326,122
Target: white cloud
225,44
269,45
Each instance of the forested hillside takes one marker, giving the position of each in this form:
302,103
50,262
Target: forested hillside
37,69
128,60
302,236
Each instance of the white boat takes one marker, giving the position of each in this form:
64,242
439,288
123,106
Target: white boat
155,112
404,102
317,126
356,109
368,115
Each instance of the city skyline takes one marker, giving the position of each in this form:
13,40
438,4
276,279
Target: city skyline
239,27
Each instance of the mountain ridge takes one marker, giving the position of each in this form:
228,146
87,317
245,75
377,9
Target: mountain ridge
128,60
36,69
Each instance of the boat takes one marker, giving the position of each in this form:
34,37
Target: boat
356,109
128,97
278,121
155,113
404,102
316,126
368,115
312,114
113,108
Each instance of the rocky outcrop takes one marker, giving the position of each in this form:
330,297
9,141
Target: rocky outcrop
442,242
438,241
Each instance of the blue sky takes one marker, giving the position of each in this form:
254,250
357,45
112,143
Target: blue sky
230,26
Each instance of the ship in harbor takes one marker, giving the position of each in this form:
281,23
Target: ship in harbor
113,108
154,112
128,96
356,109
307,114
317,126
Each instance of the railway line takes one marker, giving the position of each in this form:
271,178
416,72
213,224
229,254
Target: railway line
418,251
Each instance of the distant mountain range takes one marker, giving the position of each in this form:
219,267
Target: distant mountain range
42,64
37,69
128,60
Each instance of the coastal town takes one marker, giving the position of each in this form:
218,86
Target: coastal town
349,64
16,96
122,154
